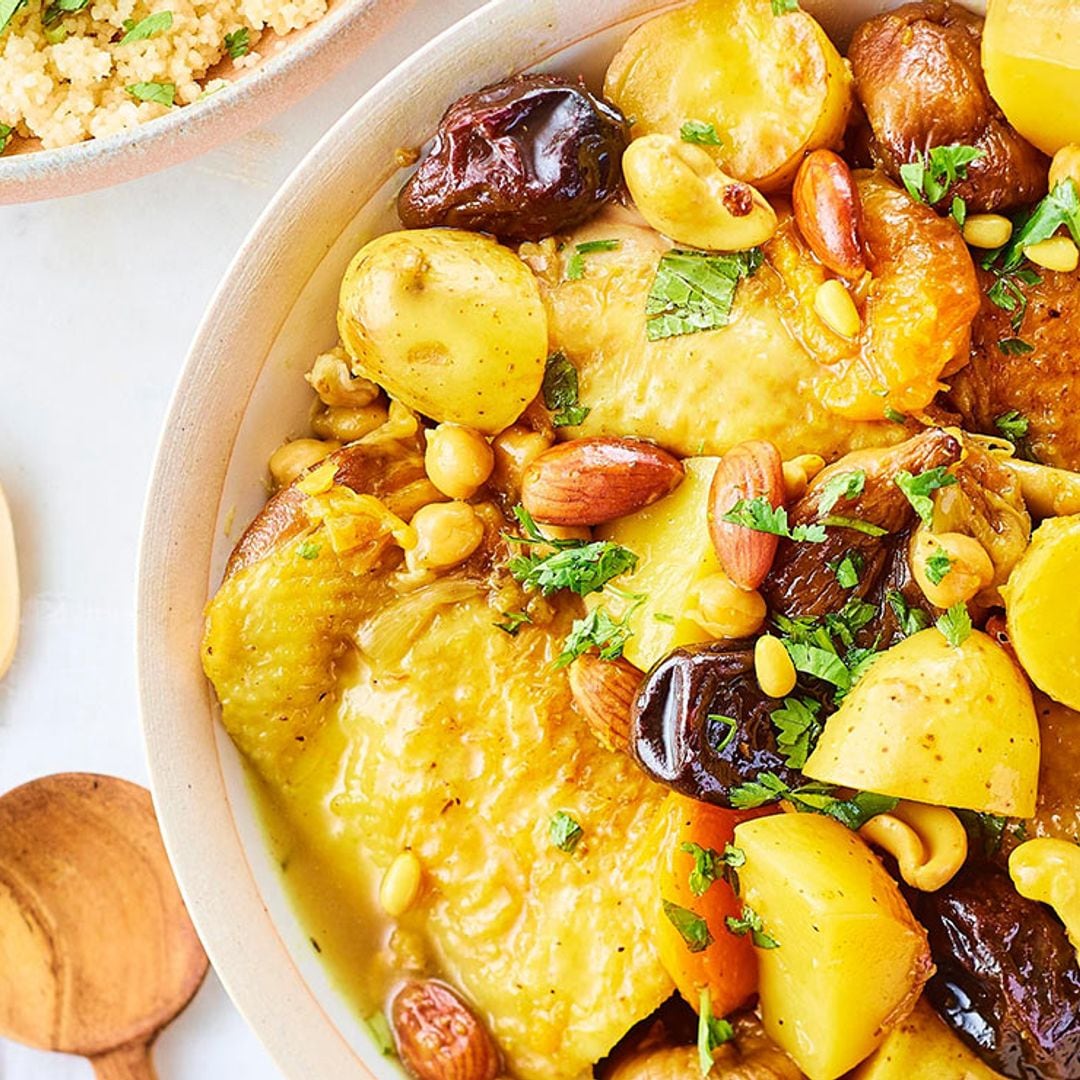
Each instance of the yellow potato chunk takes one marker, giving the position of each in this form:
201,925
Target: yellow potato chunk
937,723
848,946
448,322
671,541
697,393
772,86
1031,58
1043,610
923,1048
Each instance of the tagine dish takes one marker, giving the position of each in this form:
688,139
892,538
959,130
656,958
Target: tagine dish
660,658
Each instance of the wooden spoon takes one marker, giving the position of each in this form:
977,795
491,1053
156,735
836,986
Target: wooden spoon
97,953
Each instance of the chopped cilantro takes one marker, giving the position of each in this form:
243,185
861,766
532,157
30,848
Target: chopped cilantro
955,625
848,569
575,265
564,831
598,629
929,177
1060,207
697,131
1014,346
1006,292
797,729
918,489
159,93
749,922
937,566
729,722
380,1030
712,1032
692,927
560,390
958,211
854,811
1013,425
710,865
759,514
238,43
693,291
821,663
784,7
847,485
309,550
146,28
813,651
839,521
985,831
912,620
893,416
766,787
513,621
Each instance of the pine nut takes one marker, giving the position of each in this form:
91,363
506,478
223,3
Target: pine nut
400,884
1065,166
987,230
1058,253
836,309
773,667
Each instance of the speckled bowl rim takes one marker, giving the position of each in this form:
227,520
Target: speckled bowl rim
306,59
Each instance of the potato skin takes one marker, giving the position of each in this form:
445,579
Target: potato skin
919,78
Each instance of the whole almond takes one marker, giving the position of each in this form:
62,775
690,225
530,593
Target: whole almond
751,470
828,212
438,1035
590,481
604,690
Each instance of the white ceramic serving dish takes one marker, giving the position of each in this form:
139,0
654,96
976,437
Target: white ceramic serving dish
292,66
240,394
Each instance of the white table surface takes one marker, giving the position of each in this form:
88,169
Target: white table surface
100,296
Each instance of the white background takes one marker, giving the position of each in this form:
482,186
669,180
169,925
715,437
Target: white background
100,295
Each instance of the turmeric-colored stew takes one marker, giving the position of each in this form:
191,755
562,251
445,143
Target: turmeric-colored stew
661,658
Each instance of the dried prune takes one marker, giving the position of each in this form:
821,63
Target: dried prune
1007,979
523,159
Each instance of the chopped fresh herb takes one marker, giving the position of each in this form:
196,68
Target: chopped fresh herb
159,93
937,566
575,265
813,651
766,787
692,927
821,663
912,620
1019,831
797,729
5,135
710,865
1013,425
712,1032
697,131
854,811
7,11
893,416
513,621
564,831
693,291
839,521
848,570
54,35
985,831
581,566
918,489
759,514
958,212
238,43
784,7
560,390
1014,346
848,485
1060,207
1006,292
955,625
146,28
379,1027
598,629
749,922
309,550
664,617
716,720
52,14
929,177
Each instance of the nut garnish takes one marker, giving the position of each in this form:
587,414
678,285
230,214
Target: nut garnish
604,691
589,481
829,214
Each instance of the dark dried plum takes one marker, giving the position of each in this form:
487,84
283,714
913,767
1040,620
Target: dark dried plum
1007,978
523,159
677,736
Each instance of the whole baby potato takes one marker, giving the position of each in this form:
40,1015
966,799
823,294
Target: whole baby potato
772,86
449,323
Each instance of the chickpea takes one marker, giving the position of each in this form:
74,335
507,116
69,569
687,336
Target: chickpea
348,424
514,450
458,460
969,569
724,610
332,379
682,193
290,459
798,472
446,534
1065,166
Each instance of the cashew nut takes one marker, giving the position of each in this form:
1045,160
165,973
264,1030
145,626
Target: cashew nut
1048,870
928,842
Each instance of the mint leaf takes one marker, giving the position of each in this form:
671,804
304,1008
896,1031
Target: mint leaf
693,291
147,28
7,11
560,391
692,927
159,93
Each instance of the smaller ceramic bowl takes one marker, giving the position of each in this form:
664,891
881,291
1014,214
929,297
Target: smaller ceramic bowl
291,68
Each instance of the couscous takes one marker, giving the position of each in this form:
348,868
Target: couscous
72,70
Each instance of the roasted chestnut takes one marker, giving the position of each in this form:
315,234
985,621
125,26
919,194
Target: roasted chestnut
1007,978
523,159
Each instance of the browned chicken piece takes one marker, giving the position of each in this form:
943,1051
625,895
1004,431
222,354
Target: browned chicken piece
919,78
1042,385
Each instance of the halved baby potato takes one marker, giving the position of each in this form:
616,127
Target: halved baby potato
937,723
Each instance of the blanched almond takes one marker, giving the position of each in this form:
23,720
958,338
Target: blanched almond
604,690
589,481
829,214
9,589
438,1035
751,470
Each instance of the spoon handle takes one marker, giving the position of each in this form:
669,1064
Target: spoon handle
125,1063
